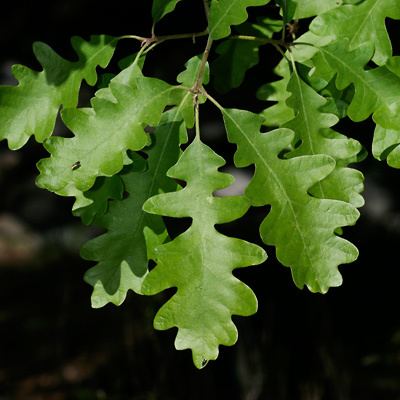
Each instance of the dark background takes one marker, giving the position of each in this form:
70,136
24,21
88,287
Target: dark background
341,346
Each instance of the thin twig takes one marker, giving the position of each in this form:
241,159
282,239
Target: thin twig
160,39
197,115
206,8
163,38
140,53
262,40
135,37
200,75
215,102
150,47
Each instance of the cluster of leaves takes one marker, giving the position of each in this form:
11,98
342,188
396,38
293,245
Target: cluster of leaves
125,164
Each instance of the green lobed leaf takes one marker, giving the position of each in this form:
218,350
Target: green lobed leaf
385,146
288,9
104,189
309,8
200,261
312,126
131,234
279,113
376,91
303,53
360,23
302,109
188,78
31,107
235,58
264,27
115,123
300,226
338,100
224,13
162,7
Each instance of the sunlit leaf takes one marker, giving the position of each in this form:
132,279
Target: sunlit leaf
360,23
313,128
376,90
102,134
31,107
300,226
279,113
309,8
188,79
385,146
123,251
200,261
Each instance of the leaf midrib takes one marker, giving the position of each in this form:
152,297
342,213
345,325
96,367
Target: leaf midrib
223,16
140,225
106,141
281,187
360,27
153,176
307,123
359,76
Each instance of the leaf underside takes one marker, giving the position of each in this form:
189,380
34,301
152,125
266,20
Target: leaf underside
200,261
